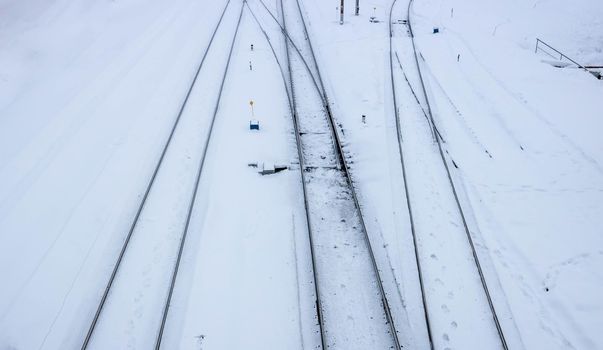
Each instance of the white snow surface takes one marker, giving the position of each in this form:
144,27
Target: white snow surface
89,91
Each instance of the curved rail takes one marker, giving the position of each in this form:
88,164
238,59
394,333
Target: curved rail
288,38
196,187
404,177
320,92
454,191
292,110
347,174
148,190
294,115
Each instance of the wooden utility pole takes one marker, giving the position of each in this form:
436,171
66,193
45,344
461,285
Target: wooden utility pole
341,13
357,7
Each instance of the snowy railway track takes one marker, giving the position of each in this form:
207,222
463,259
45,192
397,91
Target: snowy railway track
194,195
291,104
346,172
336,228
145,203
437,138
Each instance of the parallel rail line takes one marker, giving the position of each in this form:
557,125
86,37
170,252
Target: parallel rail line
342,160
298,142
406,191
141,206
348,176
439,142
195,189
293,111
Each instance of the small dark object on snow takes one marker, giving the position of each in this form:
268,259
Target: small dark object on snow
251,47
268,169
436,30
254,125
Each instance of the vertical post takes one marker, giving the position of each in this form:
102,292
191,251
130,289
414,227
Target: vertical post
341,13
536,51
357,8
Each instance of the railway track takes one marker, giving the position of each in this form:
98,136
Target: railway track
406,192
348,176
194,196
149,189
323,165
438,139
292,111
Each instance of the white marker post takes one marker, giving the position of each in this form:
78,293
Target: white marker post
251,104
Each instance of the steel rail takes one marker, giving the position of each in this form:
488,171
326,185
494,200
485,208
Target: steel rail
295,119
195,190
347,174
406,191
327,106
148,189
499,329
267,37
306,66
290,40
293,111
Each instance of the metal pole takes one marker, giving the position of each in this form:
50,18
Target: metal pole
341,13
357,7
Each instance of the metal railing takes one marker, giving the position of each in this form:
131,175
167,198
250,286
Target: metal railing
540,43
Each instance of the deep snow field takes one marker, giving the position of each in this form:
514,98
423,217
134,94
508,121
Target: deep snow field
90,91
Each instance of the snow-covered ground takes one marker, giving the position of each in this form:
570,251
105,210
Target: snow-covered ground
89,91
537,202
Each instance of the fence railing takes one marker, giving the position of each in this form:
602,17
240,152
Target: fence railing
544,47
